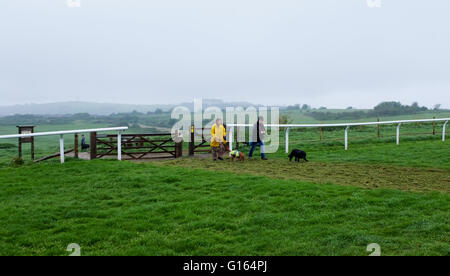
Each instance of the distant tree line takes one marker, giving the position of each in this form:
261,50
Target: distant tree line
157,118
160,118
303,107
382,109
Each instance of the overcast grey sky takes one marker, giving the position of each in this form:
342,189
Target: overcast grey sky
335,53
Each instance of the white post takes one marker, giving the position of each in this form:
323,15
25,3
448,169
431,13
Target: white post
287,140
231,138
346,137
61,148
398,133
119,146
443,131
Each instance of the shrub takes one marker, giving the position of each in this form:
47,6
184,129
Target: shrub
17,162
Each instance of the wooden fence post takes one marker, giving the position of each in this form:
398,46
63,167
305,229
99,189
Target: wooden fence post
178,149
378,127
178,144
32,148
320,129
192,142
75,146
237,137
20,147
434,127
93,145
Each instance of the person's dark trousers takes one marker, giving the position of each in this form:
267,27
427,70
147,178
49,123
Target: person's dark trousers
261,144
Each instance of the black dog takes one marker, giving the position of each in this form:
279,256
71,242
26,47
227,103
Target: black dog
298,154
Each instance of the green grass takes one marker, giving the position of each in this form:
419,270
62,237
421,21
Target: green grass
431,153
304,138
412,165
376,192
124,208
359,175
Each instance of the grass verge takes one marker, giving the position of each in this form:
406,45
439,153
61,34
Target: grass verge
124,208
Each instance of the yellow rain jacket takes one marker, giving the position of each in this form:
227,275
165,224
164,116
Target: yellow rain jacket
218,135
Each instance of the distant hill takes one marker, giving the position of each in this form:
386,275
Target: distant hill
219,103
76,107
65,108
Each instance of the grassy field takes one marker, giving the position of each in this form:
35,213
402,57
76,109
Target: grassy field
197,207
376,192
114,208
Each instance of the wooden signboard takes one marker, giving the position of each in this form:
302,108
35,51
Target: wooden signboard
26,130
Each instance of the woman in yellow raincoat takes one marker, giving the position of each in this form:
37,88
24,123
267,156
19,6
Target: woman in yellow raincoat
218,136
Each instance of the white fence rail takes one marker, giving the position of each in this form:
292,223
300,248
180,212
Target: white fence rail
346,125
63,132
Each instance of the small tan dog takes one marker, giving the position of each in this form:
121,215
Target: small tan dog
235,154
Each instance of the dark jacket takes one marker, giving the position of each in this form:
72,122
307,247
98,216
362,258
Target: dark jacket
258,137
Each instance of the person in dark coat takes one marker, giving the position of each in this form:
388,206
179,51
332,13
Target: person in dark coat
258,134
83,143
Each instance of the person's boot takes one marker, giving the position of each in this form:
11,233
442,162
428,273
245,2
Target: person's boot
220,158
264,158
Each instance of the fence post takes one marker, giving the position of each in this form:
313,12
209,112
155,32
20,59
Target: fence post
32,146
93,145
191,142
378,127
443,131
287,140
178,144
346,137
320,129
178,149
75,146
237,137
61,148
434,127
231,137
20,147
119,146
398,133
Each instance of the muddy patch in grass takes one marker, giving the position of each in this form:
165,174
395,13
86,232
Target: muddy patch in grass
349,174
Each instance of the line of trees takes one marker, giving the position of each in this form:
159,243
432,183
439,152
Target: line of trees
159,119
382,109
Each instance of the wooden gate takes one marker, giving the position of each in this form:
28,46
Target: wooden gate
136,146
202,146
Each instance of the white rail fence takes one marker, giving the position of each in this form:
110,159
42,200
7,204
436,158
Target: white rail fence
346,125
231,131
64,132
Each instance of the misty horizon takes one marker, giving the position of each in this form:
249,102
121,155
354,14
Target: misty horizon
321,53
205,100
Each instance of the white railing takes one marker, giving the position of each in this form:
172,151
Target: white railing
63,132
346,125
